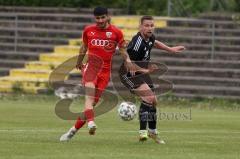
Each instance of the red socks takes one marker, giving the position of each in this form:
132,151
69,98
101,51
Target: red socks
79,123
89,114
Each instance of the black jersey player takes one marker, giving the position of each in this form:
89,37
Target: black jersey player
140,83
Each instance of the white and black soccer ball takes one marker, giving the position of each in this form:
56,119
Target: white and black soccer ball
127,111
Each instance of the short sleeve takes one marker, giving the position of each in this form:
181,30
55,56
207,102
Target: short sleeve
120,38
131,49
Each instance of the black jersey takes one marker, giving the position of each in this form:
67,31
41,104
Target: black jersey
139,50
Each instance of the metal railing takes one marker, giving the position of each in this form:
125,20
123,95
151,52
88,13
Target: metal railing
16,33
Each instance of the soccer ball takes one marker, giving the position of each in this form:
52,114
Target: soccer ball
127,111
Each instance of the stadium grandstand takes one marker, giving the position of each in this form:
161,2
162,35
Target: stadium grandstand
34,41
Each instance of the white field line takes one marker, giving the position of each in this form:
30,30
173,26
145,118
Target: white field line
118,131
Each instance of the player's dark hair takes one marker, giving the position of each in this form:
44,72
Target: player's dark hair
146,17
100,11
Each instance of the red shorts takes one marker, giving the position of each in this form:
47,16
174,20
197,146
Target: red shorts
100,78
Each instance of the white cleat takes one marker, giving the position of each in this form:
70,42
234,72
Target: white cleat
154,135
143,135
92,127
67,136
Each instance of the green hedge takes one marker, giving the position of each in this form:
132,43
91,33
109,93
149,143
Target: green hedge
154,7
64,3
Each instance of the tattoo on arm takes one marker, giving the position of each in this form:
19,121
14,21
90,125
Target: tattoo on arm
124,54
82,53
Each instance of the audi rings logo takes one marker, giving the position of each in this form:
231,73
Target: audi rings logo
99,42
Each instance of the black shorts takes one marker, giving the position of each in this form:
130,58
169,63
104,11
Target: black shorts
133,82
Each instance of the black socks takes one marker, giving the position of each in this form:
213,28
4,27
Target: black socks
147,114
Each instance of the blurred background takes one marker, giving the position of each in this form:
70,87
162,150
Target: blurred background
36,36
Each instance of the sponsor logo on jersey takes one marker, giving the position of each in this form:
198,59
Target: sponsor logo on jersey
146,55
99,42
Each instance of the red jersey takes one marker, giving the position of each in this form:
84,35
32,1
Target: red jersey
102,43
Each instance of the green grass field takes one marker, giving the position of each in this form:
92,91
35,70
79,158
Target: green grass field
29,129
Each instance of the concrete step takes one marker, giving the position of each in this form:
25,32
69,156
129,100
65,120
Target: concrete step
36,74
16,89
27,56
133,21
194,54
197,31
58,25
53,10
27,47
190,95
11,22
191,59
26,73
11,63
198,89
36,32
66,49
193,39
75,42
41,65
10,89
4,71
50,17
199,80
40,40
205,47
191,62
23,82
7,38
218,16
198,23
7,46
204,72
55,57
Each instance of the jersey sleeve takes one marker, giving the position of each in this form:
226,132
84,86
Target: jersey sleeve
132,49
120,38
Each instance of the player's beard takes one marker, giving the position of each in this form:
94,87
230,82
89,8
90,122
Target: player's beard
102,25
148,34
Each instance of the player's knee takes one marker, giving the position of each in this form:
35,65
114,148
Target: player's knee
89,85
88,107
151,99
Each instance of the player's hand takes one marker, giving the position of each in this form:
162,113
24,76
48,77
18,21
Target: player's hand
130,67
79,66
152,67
177,49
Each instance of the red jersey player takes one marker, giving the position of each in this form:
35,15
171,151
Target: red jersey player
99,42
